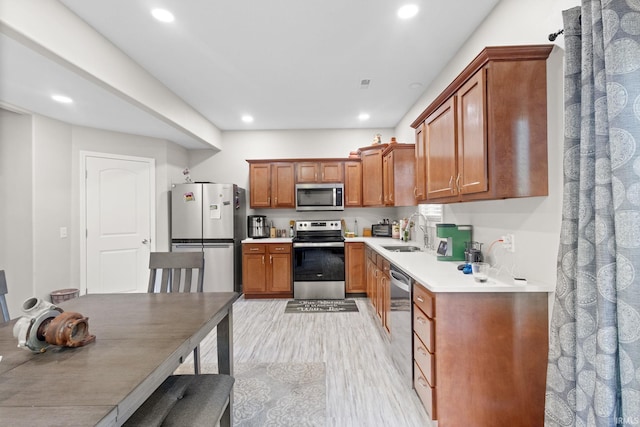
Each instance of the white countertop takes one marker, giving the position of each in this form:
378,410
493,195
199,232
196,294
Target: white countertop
442,276
423,267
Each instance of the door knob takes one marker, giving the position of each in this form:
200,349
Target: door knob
146,241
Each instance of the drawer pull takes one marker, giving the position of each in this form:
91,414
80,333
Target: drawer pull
262,259
422,351
254,249
279,249
420,299
422,320
423,382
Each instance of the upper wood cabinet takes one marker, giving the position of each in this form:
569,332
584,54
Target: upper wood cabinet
398,165
352,183
372,191
271,185
485,136
309,172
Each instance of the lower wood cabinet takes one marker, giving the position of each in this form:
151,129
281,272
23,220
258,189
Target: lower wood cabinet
355,278
480,359
267,270
378,286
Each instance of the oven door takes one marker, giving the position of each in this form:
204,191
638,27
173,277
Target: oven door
318,270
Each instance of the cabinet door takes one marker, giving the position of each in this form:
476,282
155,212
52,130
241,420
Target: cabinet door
353,184
282,185
260,185
307,172
472,136
331,172
254,273
441,151
372,178
420,192
280,272
388,183
355,267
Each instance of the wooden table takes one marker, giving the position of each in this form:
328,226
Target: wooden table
140,340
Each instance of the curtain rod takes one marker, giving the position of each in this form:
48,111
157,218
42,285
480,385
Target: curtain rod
554,36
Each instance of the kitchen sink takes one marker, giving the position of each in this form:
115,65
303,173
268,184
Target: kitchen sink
399,248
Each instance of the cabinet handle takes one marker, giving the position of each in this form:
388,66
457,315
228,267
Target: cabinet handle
254,249
422,320
458,182
450,183
262,259
420,299
422,351
270,259
423,382
276,200
415,192
279,249
269,200
380,198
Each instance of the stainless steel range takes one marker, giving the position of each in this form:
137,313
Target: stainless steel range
318,260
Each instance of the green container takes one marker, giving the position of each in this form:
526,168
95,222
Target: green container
452,241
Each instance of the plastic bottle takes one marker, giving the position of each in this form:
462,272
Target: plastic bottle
355,229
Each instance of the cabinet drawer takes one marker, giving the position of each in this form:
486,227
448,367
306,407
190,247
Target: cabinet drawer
424,327
426,393
279,249
425,300
425,360
253,248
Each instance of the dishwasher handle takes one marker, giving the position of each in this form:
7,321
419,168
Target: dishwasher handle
400,280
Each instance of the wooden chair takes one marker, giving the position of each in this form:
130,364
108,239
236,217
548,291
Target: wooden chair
177,270
194,400
3,300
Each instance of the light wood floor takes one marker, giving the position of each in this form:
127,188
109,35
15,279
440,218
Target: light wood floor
363,386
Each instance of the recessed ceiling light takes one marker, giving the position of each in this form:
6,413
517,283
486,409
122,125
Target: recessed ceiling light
247,118
62,99
162,15
408,11
364,83
363,116
415,85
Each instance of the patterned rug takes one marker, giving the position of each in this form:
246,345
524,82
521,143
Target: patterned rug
321,306
276,394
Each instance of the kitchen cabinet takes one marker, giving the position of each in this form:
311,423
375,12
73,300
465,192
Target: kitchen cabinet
271,185
485,136
310,172
384,292
352,183
481,349
398,173
420,191
371,262
267,270
371,158
355,267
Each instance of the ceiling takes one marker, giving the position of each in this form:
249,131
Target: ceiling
290,64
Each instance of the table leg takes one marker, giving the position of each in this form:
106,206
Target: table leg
225,344
225,360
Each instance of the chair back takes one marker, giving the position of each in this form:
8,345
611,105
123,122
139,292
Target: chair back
177,271
3,300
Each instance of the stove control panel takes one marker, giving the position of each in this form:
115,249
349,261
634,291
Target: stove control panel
320,225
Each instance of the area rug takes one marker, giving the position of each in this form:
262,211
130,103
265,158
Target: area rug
321,306
276,394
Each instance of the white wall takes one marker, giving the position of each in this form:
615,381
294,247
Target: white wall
16,200
535,222
39,193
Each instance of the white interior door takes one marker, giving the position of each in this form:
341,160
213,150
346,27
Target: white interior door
119,216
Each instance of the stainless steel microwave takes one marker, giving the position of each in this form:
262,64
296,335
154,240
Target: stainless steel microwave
319,197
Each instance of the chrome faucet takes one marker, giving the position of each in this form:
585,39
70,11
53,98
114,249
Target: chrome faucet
423,228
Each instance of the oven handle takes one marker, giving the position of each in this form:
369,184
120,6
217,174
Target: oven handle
319,245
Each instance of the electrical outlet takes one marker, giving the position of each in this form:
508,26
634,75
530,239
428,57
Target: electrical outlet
508,242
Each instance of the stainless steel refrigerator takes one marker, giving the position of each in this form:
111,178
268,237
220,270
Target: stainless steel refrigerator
211,218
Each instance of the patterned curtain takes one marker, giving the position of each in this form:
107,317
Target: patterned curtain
593,376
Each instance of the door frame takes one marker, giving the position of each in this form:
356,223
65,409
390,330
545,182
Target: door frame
83,205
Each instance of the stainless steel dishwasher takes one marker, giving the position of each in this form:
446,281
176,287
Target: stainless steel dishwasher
401,330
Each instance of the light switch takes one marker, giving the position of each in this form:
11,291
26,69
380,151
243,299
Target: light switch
63,232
